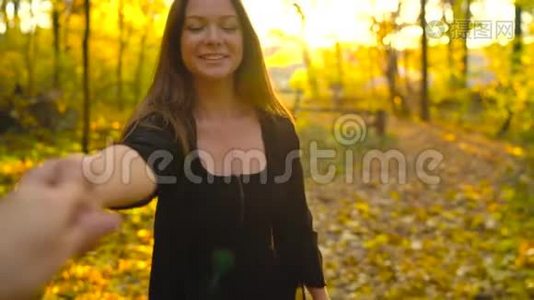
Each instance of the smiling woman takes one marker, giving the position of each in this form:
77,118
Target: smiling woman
225,226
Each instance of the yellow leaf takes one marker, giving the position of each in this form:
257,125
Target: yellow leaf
144,234
141,265
362,207
449,137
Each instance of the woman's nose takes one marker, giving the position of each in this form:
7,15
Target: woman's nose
213,35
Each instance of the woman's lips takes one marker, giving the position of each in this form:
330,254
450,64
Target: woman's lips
213,57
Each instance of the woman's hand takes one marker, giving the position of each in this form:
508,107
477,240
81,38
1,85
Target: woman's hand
318,293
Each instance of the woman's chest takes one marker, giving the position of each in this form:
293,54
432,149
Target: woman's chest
233,204
234,148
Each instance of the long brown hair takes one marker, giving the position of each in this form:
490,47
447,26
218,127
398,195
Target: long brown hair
171,95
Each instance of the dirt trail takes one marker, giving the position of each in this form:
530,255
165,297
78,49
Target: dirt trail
433,241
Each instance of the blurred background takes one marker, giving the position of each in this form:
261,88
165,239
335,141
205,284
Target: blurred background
453,76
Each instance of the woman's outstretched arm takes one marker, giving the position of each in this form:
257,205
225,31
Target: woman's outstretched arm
128,174
120,175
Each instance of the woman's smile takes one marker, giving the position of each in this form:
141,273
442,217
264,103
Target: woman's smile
213,58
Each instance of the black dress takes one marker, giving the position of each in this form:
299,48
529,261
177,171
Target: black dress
228,237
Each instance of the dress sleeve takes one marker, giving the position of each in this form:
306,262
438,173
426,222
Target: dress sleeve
295,239
157,146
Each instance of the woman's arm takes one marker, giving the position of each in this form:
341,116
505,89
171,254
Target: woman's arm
295,238
120,176
128,174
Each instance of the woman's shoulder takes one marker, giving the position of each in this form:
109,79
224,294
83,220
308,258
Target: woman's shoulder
282,129
156,121
283,123
151,129
151,124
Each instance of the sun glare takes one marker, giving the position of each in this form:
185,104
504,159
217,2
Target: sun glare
330,21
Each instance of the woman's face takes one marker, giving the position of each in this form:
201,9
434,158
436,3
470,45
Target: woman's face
211,41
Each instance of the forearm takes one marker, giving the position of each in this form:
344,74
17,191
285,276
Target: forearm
119,175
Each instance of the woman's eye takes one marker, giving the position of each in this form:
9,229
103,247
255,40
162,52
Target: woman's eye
195,28
230,28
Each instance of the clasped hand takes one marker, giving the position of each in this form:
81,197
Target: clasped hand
48,218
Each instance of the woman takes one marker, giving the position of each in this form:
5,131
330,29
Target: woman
212,141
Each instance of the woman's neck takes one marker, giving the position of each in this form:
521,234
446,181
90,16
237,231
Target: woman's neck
217,99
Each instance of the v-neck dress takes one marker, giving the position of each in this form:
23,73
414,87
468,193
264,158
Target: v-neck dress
228,237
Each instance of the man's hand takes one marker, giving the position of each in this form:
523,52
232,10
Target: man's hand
45,221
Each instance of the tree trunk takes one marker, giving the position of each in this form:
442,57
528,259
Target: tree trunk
86,87
312,79
425,114
391,70
139,69
465,53
3,13
518,40
406,65
372,60
396,98
451,62
120,98
450,46
56,44
66,27
516,66
506,124
142,53
16,18
30,55
391,75
407,83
